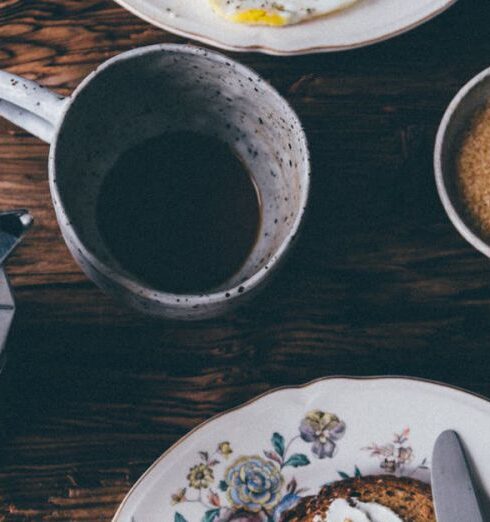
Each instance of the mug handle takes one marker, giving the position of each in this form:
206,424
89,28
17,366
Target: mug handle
30,105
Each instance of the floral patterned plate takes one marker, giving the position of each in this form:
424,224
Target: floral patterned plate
365,23
253,463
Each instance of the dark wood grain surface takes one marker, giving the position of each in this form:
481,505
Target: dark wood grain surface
379,283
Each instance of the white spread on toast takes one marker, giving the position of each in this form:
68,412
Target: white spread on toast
353,510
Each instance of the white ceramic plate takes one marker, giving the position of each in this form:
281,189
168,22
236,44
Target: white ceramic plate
295,440
365,23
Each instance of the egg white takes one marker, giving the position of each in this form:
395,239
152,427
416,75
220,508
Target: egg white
276,12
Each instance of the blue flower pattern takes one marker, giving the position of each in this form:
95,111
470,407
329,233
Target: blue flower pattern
255,488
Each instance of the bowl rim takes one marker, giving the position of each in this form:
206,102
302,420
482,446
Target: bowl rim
455,217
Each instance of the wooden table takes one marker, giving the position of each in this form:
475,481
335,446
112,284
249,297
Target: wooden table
380,282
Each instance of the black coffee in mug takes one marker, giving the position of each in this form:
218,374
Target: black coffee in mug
180,212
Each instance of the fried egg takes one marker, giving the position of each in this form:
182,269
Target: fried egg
276,12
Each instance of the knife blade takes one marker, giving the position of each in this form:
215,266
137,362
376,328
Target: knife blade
452,486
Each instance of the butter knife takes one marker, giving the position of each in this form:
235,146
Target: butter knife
452,486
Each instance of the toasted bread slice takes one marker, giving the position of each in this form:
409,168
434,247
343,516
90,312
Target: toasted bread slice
410,499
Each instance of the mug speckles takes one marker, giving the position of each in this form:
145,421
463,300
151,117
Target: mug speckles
144,93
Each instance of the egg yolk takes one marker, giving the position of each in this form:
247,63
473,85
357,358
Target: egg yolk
258,16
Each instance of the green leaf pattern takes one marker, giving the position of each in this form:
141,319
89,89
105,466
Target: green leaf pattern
297,460
210,515
278,443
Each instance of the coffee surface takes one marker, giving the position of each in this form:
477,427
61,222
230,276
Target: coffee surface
180,212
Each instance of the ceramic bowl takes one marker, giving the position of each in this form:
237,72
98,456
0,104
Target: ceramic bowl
454,124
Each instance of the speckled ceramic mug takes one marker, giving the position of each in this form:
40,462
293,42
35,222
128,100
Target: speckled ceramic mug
144,93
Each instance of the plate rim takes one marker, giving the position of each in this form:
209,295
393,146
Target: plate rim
181,440
278,52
